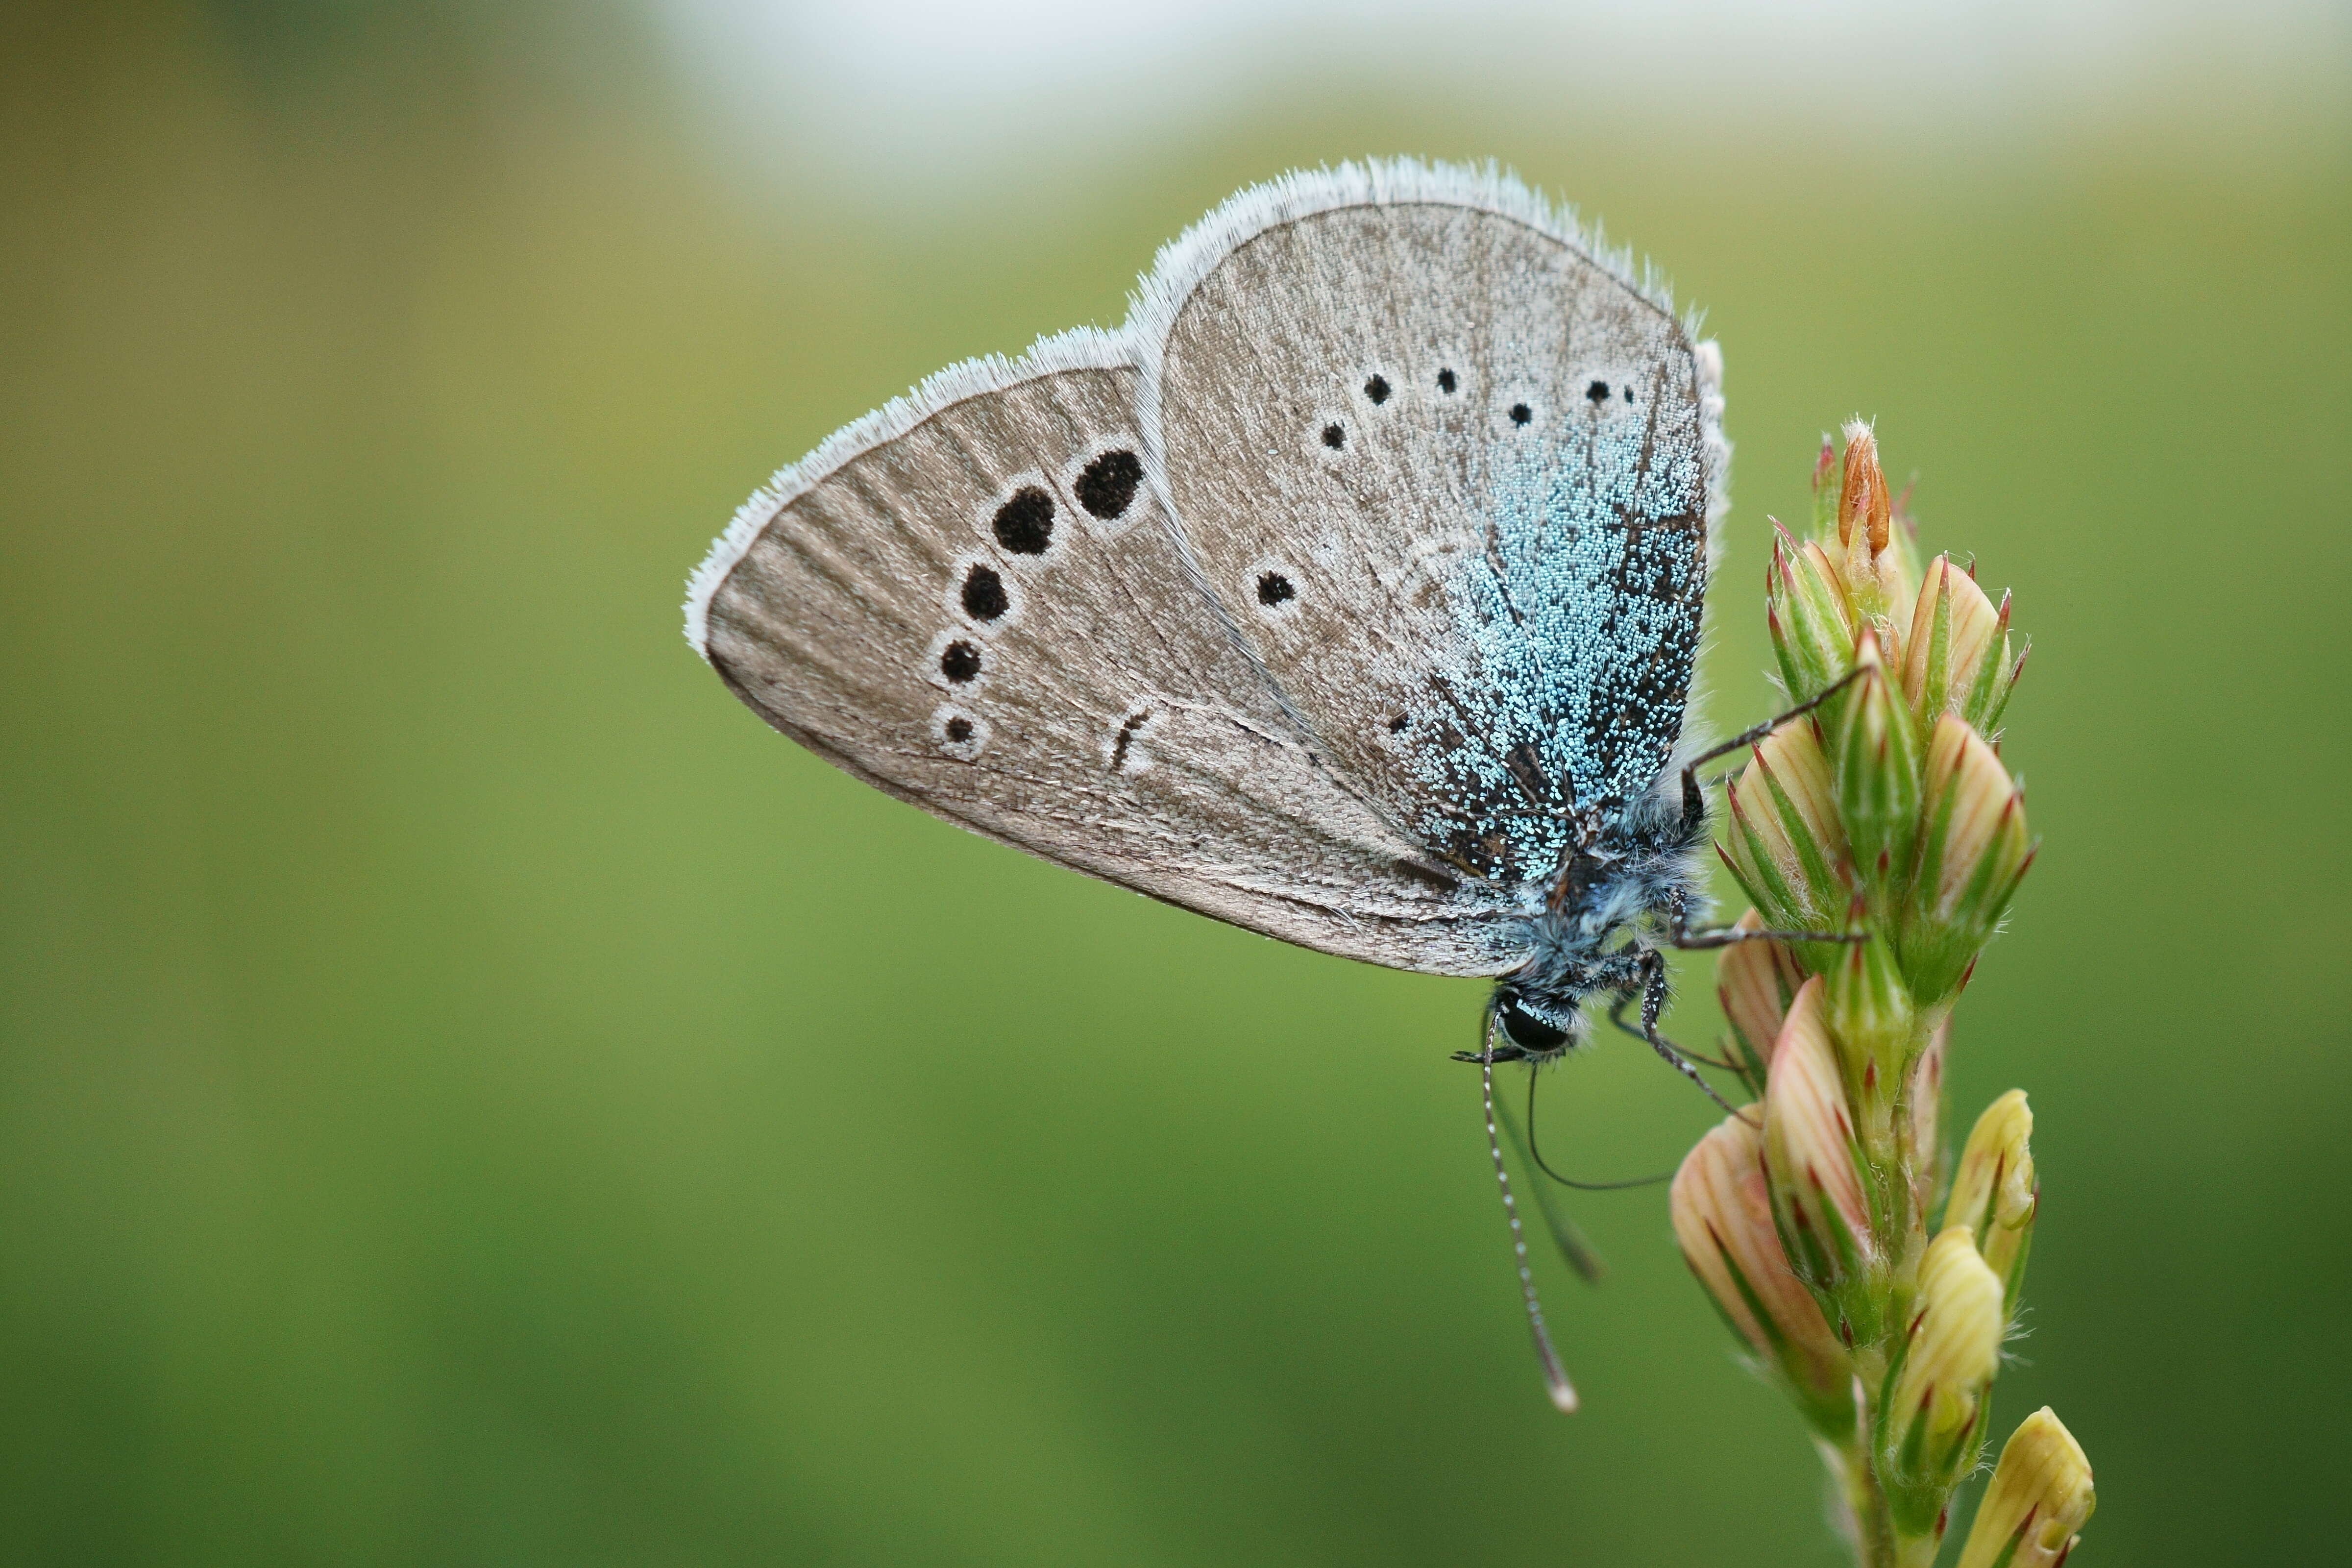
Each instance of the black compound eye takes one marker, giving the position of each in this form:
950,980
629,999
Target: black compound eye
1527,1032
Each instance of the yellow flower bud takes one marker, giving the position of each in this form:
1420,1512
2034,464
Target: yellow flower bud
2039,1495
1784,841
1755,982
1973,851
1956,658
1994,1192
1819,1201
1931,1424
1723,1218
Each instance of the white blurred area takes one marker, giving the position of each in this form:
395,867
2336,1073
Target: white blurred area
930,92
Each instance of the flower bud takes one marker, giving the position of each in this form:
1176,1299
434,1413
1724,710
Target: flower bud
1865,526
1863,504
1723,1218
1821,1204
1869,1015
1784,843
1810,614
1877,768
1926,1116
1995,1193
1956,658
1755,982
1973,851
1932,1422
2039,1495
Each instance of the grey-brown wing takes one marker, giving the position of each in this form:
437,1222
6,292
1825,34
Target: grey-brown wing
1450,477
974,602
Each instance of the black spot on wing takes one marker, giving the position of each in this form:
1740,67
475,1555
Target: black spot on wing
985,598
1106,487
1024,525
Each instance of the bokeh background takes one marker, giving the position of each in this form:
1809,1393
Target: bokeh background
470,1094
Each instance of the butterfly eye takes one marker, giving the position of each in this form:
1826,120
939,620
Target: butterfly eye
1535,1035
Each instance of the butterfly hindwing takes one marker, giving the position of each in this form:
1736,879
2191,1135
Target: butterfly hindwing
974,601
1449,478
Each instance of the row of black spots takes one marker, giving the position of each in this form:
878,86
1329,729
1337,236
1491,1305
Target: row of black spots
1376,388
1106,488
1598,393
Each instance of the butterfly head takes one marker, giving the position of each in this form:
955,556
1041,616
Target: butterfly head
1630,868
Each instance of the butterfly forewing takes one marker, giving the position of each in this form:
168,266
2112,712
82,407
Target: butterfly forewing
1448,477
978,606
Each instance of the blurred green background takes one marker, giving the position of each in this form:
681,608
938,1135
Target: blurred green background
470,1094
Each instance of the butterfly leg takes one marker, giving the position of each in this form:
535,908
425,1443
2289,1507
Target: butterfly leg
1653,1002
1679,933
1694,802
1617,1018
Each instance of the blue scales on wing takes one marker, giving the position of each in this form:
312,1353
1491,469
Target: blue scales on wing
1448,475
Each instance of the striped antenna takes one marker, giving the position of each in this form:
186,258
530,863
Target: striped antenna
1563,1393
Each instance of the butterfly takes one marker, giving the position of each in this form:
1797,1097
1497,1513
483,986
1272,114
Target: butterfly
1348,591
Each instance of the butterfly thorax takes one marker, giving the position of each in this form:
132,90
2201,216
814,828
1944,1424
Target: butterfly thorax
1629,872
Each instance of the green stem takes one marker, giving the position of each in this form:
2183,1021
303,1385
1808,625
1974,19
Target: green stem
1873,1539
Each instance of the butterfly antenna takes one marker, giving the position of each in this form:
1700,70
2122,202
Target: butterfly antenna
1563,1393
